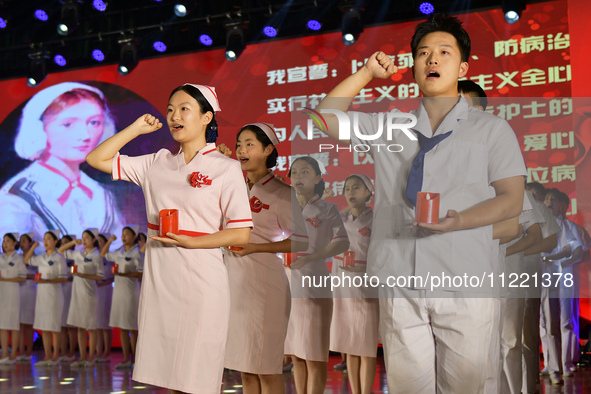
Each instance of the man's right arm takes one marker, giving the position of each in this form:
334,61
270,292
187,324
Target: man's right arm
379,65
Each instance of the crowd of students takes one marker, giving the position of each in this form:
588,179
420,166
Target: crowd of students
65,293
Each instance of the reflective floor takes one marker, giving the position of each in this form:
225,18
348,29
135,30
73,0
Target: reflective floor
103,378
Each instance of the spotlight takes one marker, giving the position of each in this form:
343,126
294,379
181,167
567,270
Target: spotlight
351,27
69,18
205,39
180,10
313,24
62,55
270,31
99,5
38,70
2,23
426,8
512,10
98,55
128,60
159,46
234,43
41,15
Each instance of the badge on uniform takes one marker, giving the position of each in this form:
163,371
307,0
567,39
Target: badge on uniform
87,260
50,262
11,264
257,205
197,180
314,222
128,259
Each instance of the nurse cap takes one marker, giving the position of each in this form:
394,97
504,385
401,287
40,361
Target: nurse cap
135,228
365,180
30,235
57,233
16,236
31,139
268,129
94,231
209,93
321,166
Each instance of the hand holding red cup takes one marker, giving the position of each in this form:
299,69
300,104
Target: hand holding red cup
115,268
37,276
169,222
74,268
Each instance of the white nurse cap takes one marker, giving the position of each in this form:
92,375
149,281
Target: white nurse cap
209,93
57,233
135,228
94,231
268,129
366,181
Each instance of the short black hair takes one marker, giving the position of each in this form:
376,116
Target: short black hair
467,87
263,139
211,132
443,23
537,186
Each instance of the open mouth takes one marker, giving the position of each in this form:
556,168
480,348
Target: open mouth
177,127
298,184
433,74
353,200
243,160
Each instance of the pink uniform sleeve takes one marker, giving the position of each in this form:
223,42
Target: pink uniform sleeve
339,233
290,217
131,169
234,199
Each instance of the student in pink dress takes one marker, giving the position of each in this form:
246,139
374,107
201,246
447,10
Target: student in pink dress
84,303
12,272
28,296
69,339
184,301
311,307
126,293
50,298
260,299
104,339
355,316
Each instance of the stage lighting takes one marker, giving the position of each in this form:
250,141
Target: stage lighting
180,10
99,5
512,10
205,39
2,23
351,27
159,46
270,31
38,70
234,43
313,24
426,8
98,55
69,20
41,15
128,60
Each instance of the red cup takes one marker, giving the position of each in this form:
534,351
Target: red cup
287,260
235,248
427,208
169,221
349,260
37,276
74,268
115,268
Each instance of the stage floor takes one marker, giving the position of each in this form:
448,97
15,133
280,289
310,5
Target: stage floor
103,378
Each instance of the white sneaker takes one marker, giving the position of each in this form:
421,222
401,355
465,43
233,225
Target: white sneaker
126,365
23,358
78,364
103,359
89,363
544,372
45,363
7,361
